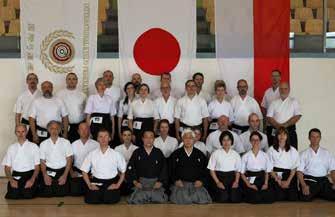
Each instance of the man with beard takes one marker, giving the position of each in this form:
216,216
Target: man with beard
136,79
74,101
24,102
45,109
243,105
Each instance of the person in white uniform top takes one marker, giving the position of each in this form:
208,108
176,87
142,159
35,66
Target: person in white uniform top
272,93
243,105
213,141
100,111
164,142
24,101
115,93
191,111
74,101
255,170
165,107
199,80
254,124
284,112
81,148
317,167
126,150
219,106
225,167
142,114
45,109
56,161
285,160
175,92
108,171
122,113
21,164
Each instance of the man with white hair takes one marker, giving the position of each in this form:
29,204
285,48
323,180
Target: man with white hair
189,173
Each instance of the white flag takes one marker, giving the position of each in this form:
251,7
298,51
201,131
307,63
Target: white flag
157,36
58,37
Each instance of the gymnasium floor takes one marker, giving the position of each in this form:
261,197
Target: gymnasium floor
72,207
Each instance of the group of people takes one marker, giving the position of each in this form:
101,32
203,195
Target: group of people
185,146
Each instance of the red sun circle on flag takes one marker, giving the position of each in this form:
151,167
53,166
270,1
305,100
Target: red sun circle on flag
156,51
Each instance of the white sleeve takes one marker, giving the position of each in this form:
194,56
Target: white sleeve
63,108
18,107
269,166
42,151
209,144
266,143
238,163
130,111
244,163
7,160
120,110
87,164
112,109
204,109
37,158
89,105
271,111
301,167
177,109
238,145
295,159
122,165
212,162
155,108
231,113
263,103
297,110
68,149
331,163
33,110
258,110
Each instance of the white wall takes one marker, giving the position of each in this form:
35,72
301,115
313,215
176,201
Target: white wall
312,82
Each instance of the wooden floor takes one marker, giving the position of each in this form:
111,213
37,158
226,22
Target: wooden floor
72,207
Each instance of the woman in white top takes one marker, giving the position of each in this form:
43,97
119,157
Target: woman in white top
164,142
219,106
255,170
124,104
225,166
142,114
285,161
100,111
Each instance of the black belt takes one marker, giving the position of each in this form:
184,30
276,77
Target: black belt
76,170
188,126
23,174
102,115
252,173
315,179
225,174
277,169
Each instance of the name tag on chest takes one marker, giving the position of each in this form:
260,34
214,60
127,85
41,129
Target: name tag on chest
280,174
96,120
124,123
42,133
137,125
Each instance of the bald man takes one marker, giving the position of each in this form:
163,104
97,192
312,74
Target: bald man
24,101
45,109
284,112
213,140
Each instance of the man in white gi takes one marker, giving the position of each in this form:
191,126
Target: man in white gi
24,101
284,112
243,105
74,101
21,164
191,111
45,109
81,148
316,164
56,161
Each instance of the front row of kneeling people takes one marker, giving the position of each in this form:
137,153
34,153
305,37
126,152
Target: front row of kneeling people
184,175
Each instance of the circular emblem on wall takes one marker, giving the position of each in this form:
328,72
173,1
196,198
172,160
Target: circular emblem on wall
57,51
61,51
